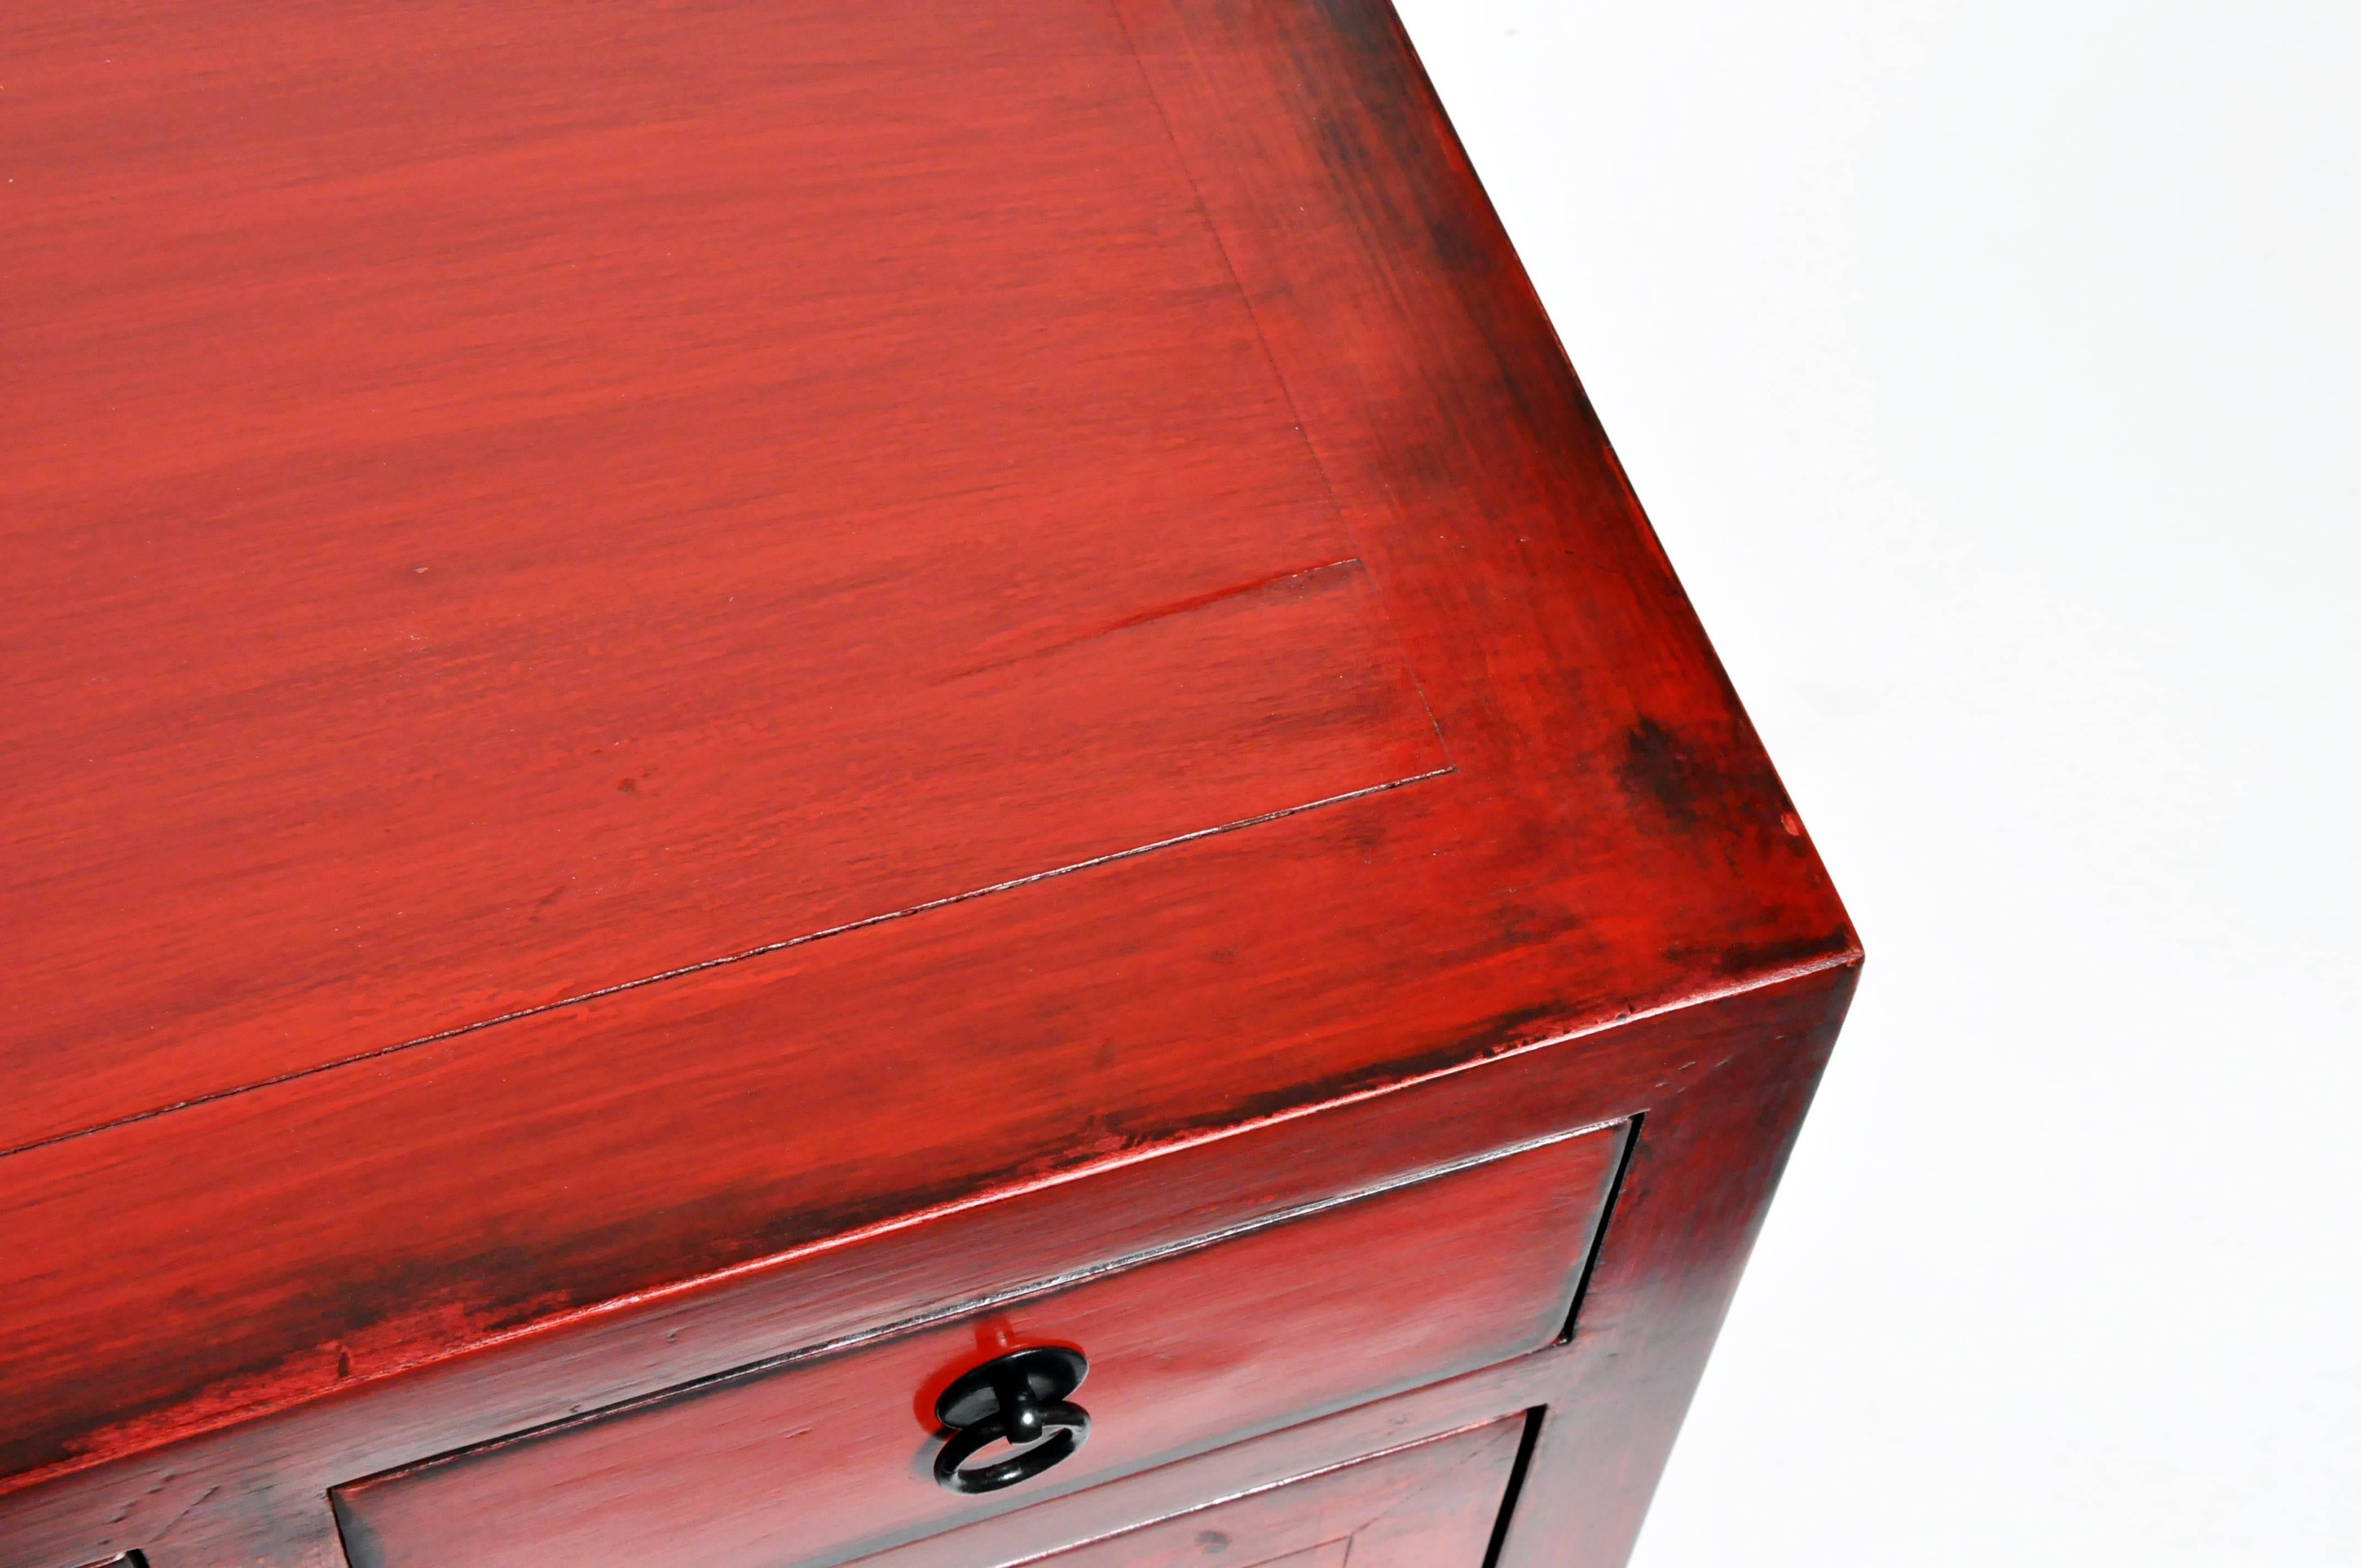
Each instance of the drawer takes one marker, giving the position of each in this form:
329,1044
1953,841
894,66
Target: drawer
1431,1505
828,1455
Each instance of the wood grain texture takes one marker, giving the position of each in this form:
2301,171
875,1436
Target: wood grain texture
1431,1506
497,522
1029,395
818,1463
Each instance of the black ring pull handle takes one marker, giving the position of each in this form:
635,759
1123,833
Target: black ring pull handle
1019,1399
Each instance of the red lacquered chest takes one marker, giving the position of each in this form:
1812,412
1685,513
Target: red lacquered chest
801,783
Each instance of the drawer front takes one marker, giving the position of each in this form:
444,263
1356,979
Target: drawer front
828,1456
1432,1505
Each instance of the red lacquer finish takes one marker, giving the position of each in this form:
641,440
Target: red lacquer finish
688,683
1722,1085
541,537
1427,1506
814,1464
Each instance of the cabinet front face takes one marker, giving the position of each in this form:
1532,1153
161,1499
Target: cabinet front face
1433,1504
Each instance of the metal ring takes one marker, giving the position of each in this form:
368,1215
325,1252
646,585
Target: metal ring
1068,1426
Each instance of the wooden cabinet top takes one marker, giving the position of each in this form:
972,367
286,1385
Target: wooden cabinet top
641,636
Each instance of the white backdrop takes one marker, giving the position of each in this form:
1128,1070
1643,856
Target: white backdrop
1989,370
